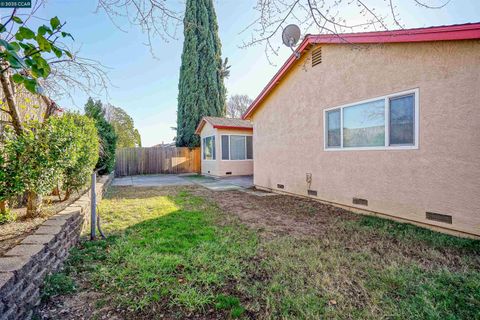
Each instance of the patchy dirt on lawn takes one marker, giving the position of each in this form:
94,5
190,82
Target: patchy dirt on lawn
14,232
302,218
317,239
279,214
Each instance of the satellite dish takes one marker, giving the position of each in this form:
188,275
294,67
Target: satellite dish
290,36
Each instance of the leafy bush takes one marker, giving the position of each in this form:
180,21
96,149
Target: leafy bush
7,216
10,182
106,132
36,157
76,174
35,160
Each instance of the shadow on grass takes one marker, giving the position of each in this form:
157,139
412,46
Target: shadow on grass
132,192
171,256
167,254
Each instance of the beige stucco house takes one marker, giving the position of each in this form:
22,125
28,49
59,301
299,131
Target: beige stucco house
226,146
387,122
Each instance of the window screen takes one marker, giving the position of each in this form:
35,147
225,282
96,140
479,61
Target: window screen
333,128
364,125
402,120
237,148
249,147
225,148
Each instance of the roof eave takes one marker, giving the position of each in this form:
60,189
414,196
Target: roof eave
200,126
232,127
443,33
307,41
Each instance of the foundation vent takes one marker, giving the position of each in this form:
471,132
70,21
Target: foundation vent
363,202
280,186
312,192
445,218
316,56
228,173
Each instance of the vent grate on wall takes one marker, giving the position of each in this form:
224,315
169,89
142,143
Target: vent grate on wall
312,192
280,186
316,56
228,172
445,218
363,202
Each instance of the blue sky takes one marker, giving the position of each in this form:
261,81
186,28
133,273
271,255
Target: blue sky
146,87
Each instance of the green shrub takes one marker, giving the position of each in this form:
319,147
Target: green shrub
63,147
106,132
7,216
36,158
10,182
76,174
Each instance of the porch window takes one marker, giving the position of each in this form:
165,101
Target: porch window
209,148
237,147
389,122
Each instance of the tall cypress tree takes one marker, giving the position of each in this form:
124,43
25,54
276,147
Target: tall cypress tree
201,88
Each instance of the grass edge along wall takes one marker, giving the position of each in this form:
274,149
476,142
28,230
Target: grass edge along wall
435,182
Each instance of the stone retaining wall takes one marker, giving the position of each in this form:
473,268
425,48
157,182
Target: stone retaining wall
24,267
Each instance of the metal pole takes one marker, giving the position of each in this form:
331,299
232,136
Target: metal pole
93,207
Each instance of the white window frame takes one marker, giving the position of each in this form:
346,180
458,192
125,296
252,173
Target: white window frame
203,148
387,145
230,144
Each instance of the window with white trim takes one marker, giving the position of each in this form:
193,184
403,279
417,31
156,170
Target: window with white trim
208,145
389,122
237,147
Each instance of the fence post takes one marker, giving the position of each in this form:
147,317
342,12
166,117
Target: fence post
93,207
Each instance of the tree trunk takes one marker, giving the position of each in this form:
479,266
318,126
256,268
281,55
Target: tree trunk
67,195
51,107
34,204
3,207
55,191
12,107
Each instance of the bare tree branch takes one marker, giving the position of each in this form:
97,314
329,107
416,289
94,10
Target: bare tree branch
324,16
154,17
79,74
237,105
423,4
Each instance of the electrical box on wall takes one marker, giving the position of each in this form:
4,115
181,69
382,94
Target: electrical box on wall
308,178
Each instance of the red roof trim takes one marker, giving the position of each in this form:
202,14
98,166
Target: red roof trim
442,33
204,121
233,127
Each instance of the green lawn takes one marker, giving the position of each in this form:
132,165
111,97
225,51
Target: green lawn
174,253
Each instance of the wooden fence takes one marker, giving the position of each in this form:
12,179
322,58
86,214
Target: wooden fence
133,161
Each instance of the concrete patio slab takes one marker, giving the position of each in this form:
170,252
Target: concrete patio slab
154,180
224,183
239,183
218,185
